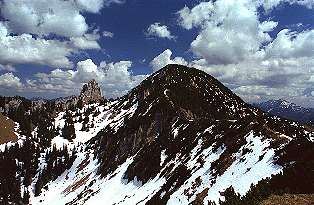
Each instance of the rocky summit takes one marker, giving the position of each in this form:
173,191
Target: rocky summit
179,137
90,93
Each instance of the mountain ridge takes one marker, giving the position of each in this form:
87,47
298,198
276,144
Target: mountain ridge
180,137
287,110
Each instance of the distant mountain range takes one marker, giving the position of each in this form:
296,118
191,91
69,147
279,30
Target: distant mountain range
288,110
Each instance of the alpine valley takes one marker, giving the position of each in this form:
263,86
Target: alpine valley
180,137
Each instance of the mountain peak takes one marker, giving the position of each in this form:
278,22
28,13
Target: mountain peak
192,90
180,137
90,92
287,110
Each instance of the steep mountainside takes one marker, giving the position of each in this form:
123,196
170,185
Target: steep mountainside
180,137
288,110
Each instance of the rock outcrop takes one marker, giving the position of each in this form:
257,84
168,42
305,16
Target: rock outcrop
90,93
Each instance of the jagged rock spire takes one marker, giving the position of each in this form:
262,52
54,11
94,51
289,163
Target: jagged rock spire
90,92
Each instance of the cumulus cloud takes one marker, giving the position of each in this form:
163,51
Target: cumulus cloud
92,6
230,30
118,79
9,80
263,80
160,31
87,70
115,79
60,17
87,41
26,49
289,44
234,45
49,34
189,18
270,4
32,30
164,59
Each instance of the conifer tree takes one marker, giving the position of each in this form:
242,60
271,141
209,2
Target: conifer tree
26,196
68,131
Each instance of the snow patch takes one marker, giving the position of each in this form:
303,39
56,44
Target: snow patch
241,175
163,157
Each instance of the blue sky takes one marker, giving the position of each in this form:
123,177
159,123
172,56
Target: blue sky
260,49
128,22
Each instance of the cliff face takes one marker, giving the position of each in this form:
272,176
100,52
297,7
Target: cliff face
90,93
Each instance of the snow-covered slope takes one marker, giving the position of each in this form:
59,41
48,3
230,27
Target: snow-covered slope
82,183
178,138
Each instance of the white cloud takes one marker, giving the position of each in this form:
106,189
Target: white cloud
59,17
308,3
10,81
234,46
266,79
29,41
26,49
230,30
31,30
164,59
270,4
92,6
115,79
108,34
87,70
160,31
290,44
189,18
267,26
39,17
87,41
